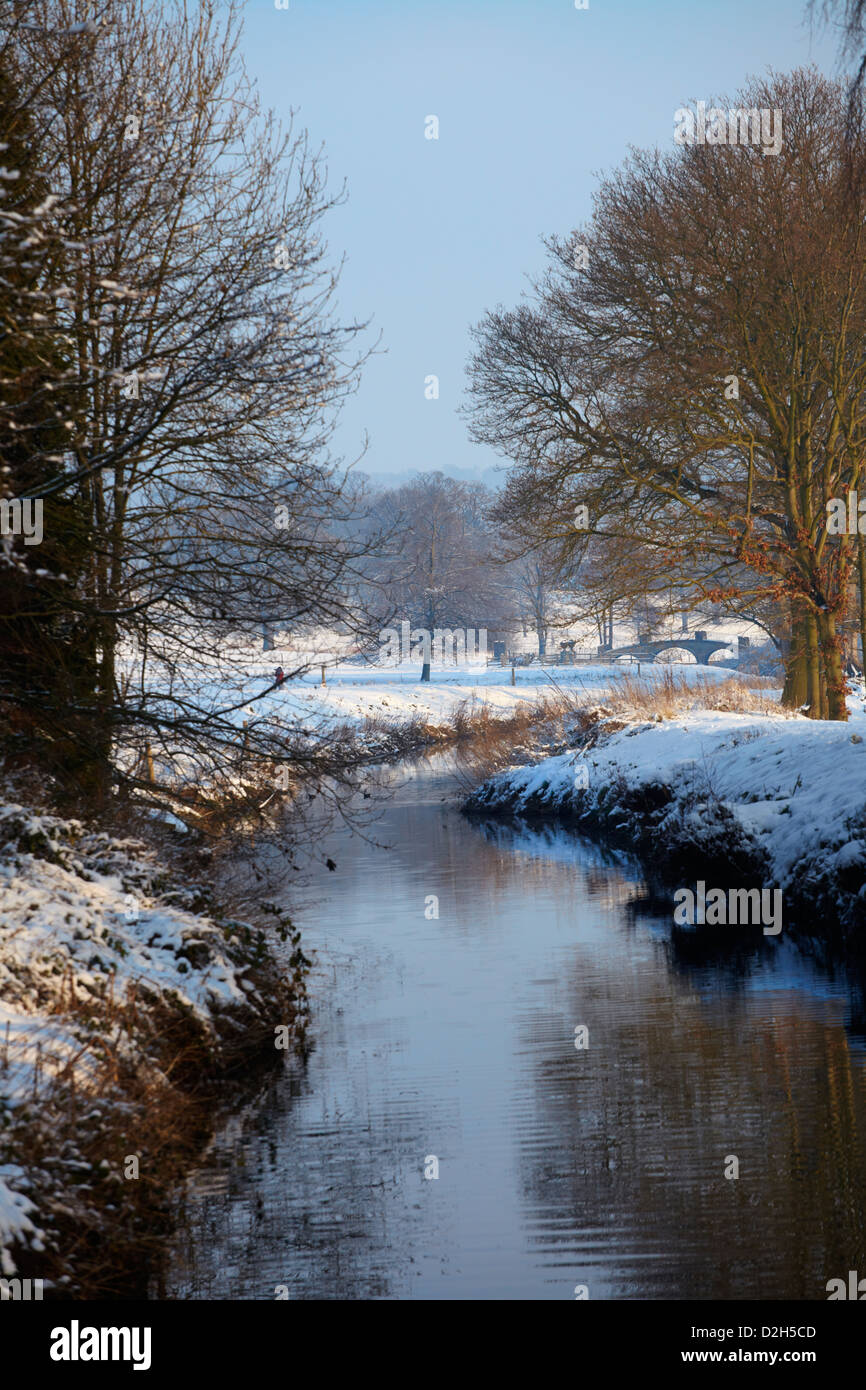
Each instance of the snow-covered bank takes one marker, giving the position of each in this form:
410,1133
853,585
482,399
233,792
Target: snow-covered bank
758,797
119,993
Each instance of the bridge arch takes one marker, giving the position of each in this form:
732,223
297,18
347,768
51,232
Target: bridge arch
700,648
675,654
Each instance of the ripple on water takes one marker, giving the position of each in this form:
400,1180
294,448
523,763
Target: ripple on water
454,1037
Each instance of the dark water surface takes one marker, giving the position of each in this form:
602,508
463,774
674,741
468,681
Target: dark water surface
455,1037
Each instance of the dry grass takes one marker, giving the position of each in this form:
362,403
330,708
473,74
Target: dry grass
672,695
488,744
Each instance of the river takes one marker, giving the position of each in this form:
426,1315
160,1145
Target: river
563,1171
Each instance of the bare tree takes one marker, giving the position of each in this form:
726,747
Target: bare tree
438,571
203,370
696,377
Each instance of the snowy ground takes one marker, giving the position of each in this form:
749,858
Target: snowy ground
354,693
234,681
88,924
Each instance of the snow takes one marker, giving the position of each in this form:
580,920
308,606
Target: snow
15,1223
86,919
796,787
353,693
231,677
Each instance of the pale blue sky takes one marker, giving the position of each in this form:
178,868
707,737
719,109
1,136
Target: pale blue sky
534,99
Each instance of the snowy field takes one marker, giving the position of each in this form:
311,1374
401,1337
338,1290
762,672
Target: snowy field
354,693
233,679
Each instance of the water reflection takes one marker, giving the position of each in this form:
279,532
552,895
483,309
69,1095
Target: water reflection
454,1036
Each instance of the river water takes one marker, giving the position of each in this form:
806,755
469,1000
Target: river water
560,1169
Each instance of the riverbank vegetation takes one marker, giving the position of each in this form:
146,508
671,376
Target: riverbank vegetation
130,997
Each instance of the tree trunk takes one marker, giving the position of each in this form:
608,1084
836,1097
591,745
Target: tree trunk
795,692
861,582
813,668
96,784
831,653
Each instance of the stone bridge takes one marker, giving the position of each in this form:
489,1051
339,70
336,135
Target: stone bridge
700,646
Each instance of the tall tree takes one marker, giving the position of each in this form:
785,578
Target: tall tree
696,376
47,653
202,376
438,572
